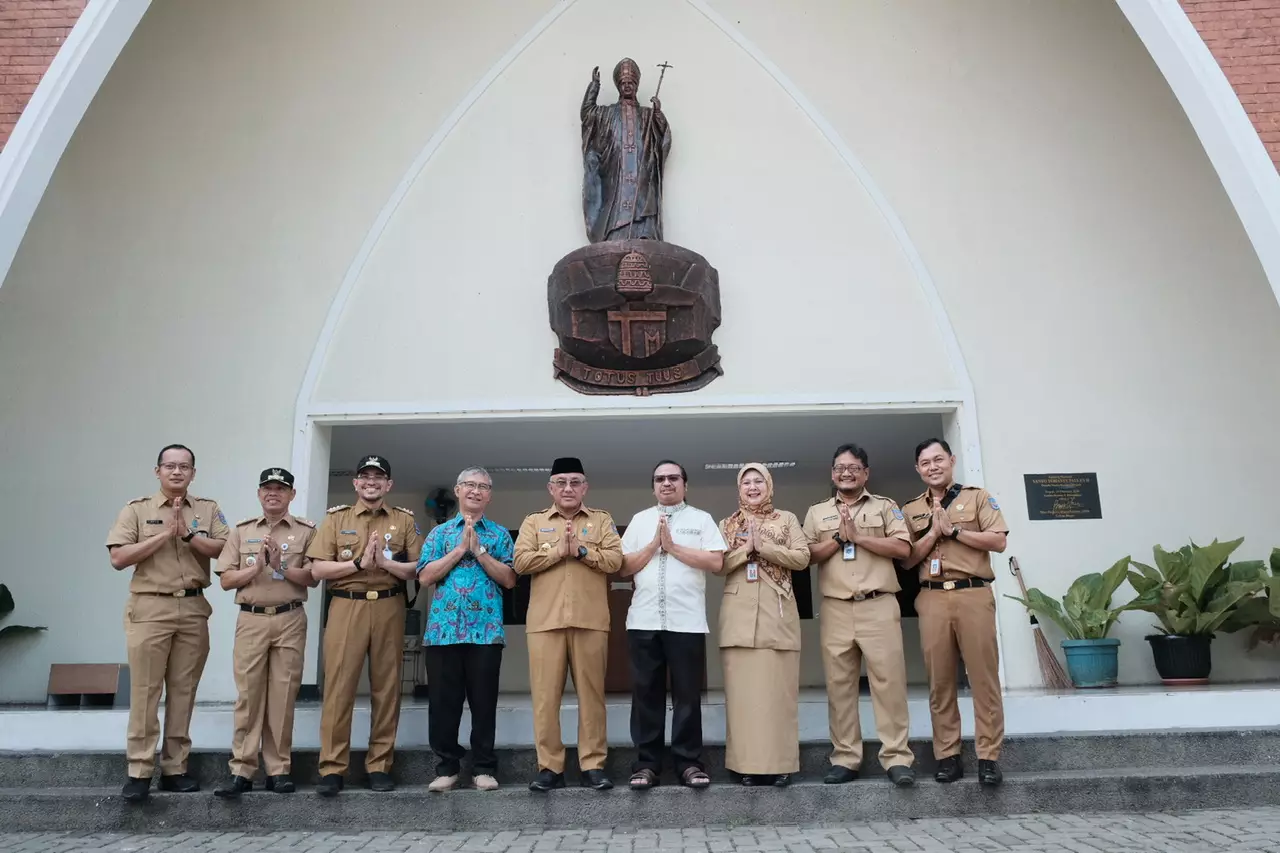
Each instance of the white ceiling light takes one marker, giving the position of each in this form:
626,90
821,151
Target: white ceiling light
733,466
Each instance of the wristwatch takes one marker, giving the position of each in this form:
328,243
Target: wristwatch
356,562
839,541
194,533
582,552
481,551
955,533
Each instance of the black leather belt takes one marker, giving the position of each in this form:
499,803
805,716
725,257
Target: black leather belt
369,595
863,596
182,593
950,585
270,610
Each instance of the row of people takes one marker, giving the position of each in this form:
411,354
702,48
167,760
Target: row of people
366,552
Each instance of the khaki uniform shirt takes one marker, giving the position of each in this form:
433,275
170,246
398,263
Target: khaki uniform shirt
244,551
345,531
972,509
175,566
752,614
872,515
568,593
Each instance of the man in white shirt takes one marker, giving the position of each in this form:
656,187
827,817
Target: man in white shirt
669,549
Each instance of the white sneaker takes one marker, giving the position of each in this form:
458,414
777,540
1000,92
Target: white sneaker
441,784
485,782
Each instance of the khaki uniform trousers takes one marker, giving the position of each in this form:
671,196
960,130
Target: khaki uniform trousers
955,624
851,632
356,628
268,667
165,652
585,653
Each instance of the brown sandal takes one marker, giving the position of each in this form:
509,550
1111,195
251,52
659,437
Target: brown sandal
695,777
643,780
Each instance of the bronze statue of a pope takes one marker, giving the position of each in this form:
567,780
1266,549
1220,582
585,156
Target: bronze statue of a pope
624,150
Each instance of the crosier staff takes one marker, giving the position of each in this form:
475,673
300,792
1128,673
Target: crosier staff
657,108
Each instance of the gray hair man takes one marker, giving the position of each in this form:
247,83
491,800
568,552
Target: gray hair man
468,559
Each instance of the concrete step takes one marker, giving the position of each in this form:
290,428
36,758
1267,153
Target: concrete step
416,766
98,809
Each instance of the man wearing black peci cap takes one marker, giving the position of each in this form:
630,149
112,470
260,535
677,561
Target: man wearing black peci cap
366,552
265,562
570,550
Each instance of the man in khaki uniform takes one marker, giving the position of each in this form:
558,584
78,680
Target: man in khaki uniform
265,562
169,538
854,538
955,528
570,550
367,552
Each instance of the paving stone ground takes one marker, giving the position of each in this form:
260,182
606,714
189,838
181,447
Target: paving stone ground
1237,830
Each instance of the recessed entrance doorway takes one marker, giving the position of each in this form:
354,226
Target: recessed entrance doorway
619,453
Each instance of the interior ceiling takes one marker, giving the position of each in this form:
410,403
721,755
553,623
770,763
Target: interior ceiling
620,452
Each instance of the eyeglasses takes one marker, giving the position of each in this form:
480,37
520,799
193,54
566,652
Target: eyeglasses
667,478
568,484
852,469
373,478
478,487
177,466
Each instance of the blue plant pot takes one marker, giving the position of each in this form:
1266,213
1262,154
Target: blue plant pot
1092,663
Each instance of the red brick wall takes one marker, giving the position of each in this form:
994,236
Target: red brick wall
1244,36
31,31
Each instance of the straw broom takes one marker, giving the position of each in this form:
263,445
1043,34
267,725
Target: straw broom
1051,672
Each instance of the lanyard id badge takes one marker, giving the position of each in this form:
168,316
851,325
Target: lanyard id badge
935,568
278,574
386,551
850,551
753,572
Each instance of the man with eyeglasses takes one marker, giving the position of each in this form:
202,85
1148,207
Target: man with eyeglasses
468,560
169,538
669,549
570,550
854,537
264,562
367,553
955,529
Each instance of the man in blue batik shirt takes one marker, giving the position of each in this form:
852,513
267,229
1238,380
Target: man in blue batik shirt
469,560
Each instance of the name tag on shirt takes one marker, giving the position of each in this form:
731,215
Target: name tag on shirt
850,551
753,573
935,568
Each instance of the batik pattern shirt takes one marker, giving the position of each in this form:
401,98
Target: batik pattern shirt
467,605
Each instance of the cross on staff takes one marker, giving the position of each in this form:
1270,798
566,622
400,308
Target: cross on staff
664,66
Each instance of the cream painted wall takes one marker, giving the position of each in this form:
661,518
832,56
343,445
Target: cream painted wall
178,271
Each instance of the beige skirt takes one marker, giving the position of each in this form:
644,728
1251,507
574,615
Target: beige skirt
761,689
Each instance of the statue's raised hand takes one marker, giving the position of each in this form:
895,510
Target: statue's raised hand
595,75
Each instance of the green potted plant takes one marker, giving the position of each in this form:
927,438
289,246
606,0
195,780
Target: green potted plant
1261,612
1193,591
6,607
1085,615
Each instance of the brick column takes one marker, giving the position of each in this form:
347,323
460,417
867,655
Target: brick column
31,31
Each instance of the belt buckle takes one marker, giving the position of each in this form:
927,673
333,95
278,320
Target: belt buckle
860,596
371,595
182,593
948,585
269,611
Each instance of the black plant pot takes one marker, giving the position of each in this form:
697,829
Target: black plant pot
1182,659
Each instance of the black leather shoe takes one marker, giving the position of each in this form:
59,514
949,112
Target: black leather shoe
546,781
902,775
989,772
782,780
949,769
234,788
749,781
136,790
329,785
381,782
179,783
280,784
839,774
596,780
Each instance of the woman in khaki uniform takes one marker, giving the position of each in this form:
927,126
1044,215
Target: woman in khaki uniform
760,633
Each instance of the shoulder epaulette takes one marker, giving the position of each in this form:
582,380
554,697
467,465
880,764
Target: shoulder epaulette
194,498
402,509
337,508
248,520
140,500
305,522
